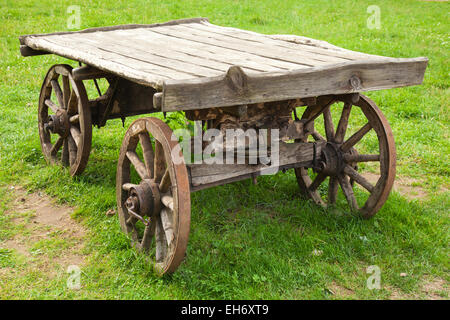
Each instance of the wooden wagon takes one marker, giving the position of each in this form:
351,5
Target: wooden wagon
226,78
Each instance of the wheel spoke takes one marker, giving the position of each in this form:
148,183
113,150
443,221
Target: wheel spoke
138,164
165,182
71,103
147,152
317,136
343,123
66,91
167,201
317,181
72,150
161,242
160,163
356,137
328,121
312,117
74,119
166,220
349,158
348,192
65,153
56,146
58,92
333,186
352,173
147,238
49,103
128,186
76,134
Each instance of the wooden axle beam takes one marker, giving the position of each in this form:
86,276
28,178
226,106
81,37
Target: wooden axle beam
88,72
291,155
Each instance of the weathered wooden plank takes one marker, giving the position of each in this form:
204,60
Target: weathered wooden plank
332,79
26,51
126,56
253,48
226,54
125,71
163,48
311,43
184,51
300,154
290,41
163,64
308,53
88,72
118,27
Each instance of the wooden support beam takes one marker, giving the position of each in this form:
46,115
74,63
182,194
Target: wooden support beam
291,155
26,51
157,100
88,72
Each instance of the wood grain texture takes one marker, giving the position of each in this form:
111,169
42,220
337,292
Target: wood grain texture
333,79
290,155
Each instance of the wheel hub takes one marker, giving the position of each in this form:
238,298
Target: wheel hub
332,162
144,199
58,123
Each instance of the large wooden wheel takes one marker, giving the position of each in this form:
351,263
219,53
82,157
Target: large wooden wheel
65,126
154,197
344,155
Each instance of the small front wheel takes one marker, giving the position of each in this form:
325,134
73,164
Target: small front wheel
64,119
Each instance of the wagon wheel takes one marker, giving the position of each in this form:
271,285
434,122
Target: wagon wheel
154,209
64,119
340,161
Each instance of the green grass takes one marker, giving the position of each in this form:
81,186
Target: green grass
246,242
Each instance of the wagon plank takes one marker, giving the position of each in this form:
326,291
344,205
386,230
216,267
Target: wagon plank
253,48
333,79
179,51
117,68
302,44
315,55
164,64
226,53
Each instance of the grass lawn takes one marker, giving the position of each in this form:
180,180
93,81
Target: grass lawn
246,241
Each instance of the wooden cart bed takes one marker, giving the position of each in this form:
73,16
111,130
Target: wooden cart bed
200,65
189,60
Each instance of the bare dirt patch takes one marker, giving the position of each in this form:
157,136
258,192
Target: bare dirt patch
407,187
434,287
340,291
430,289
51,239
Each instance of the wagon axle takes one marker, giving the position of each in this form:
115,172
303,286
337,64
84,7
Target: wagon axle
143,200
58,123
331,161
